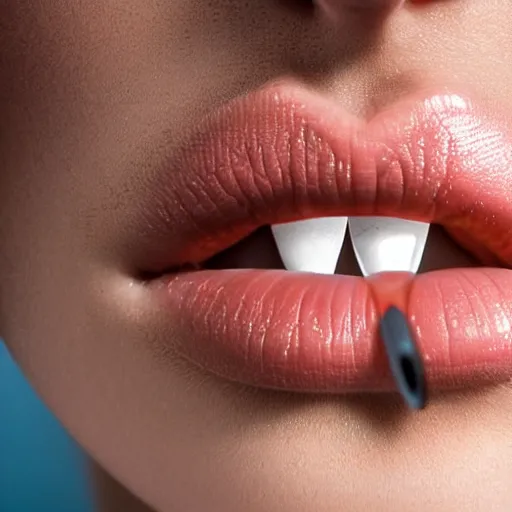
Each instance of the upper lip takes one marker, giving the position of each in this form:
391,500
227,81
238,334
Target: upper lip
283,153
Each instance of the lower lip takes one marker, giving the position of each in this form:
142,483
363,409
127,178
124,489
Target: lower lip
317,333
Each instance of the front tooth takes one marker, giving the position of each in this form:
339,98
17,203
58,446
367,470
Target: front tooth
388,244
311,245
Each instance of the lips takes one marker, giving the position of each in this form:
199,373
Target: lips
284,153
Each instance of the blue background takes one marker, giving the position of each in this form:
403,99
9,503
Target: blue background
41,468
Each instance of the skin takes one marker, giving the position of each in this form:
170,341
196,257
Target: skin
91,93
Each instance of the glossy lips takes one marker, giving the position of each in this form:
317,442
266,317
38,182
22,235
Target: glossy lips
283,154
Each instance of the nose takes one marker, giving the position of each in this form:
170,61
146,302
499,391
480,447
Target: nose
336,9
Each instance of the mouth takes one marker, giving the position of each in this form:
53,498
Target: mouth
245,225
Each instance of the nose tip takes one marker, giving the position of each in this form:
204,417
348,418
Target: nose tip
336,9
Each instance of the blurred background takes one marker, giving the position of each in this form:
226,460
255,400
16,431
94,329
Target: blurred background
41,468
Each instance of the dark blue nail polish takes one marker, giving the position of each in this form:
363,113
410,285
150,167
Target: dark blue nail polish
404,358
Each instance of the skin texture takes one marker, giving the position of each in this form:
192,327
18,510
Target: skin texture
91,94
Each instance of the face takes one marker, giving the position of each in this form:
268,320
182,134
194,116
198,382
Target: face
130,136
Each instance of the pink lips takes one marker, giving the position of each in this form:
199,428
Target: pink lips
284,153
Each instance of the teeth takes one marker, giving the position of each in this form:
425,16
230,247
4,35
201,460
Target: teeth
388,244
380,243
311,245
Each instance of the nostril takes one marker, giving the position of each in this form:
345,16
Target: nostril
301,6
336,9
